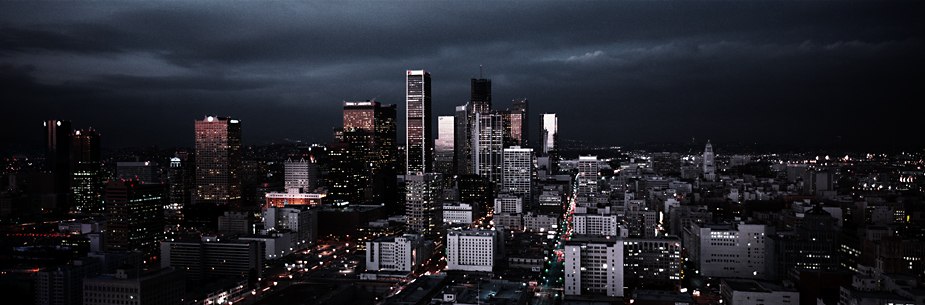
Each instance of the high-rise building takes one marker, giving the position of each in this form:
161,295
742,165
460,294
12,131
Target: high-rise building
506,203
481,95
549,141
475,189
349,178
85,165
58,153
418,138
594,265
301,174
728,250
655,261
473,250
709,169
397,253
378,122
588,175
219,169
520,123
517,171
301,220
445,154
487,145
181,179
463,138
424,205
135,216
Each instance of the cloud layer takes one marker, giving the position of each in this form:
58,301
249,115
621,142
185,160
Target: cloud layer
770,72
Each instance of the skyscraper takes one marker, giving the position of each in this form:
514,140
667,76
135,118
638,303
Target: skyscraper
520,123
462,141
377,123
57,162
87,183
549,141
424,204
300,174
481,95
418,139
135,216
549,137
218,168
181,179
709,169
517,172
445,155
587,175
487,145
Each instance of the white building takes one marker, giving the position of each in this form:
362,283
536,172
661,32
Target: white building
300,220
709,167
460,212
731,251
506,203
473,250
594,265
588,175
516,173
741,292
301,174
399,253
596,225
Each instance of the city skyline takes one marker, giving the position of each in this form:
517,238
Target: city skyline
766,73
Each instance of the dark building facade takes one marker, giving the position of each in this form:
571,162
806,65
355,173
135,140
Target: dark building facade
135,216
87,181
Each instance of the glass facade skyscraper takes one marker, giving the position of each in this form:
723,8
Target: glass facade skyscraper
444,156
418,138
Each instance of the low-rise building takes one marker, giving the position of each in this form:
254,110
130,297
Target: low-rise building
473,250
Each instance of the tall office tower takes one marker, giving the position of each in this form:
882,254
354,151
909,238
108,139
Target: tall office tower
481,95
594,265
487,145
520,123
300,174
348,178
709,169
218,169
135,216
87,184
549,141
379,122
445,155
180,178
517,171
474,189
58,153
587,175
424,204
419,143
463,138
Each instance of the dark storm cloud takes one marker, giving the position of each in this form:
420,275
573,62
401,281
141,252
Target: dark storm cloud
640,71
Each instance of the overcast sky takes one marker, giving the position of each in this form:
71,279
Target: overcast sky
615,72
